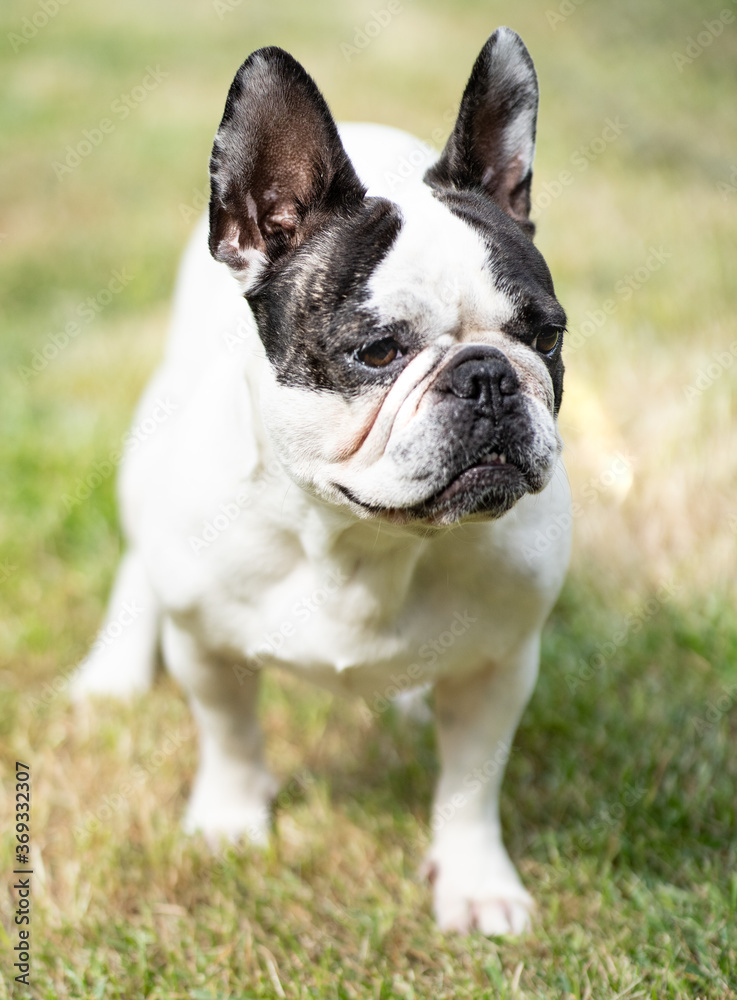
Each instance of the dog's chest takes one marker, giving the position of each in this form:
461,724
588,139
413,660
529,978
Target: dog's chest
357,621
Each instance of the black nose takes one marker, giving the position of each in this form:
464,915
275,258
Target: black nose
482,375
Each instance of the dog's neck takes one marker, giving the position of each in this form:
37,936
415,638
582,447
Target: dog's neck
379,560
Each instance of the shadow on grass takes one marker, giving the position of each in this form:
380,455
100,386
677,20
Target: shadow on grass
625,755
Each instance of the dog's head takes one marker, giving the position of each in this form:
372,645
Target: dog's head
414,346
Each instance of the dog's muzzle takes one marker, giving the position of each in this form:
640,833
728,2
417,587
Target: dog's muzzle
481,375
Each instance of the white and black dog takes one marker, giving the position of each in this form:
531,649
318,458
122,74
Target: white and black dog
364,380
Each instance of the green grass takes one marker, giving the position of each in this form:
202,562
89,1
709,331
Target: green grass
619,803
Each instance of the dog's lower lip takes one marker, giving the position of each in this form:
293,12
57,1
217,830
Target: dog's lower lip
491,467
496,461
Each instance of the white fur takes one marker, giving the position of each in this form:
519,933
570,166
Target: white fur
246,569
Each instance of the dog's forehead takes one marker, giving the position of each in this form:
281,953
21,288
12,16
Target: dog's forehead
437,276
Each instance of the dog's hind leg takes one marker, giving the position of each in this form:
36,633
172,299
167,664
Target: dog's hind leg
122,660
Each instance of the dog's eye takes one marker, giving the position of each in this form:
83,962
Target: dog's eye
380,353
547,340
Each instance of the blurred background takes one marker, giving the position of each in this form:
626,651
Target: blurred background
107,113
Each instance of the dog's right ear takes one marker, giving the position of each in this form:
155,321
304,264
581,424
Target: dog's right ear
278,169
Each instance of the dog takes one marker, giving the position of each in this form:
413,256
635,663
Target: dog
361,390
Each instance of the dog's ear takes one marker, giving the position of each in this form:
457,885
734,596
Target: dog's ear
492,145
278,168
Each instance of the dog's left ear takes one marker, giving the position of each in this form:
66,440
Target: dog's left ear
278,170
492,145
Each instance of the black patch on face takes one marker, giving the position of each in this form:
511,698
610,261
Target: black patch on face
311,311
519,270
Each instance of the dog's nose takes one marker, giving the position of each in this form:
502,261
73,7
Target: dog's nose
482,375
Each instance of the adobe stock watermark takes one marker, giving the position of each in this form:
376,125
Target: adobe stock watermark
287,795
50,690
707,375
301,611
429,653
86,311
610,817
580,161
716,710
473,782
631,624
121,108
365,34
130,442
623,291
423,155
143,771
728,189
562,12
114,629
60,684
194,209
230,510
223,7
697,44
239,336
30,26
615,477
607,820
6,571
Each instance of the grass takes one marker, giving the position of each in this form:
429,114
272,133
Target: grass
619,803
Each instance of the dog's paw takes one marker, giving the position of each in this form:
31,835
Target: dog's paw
232,814
483,894
505,914
250,823
108,675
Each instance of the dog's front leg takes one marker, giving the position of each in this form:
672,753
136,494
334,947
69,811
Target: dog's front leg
474,882
233,789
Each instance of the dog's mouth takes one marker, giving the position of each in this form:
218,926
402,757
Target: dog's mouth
489,488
